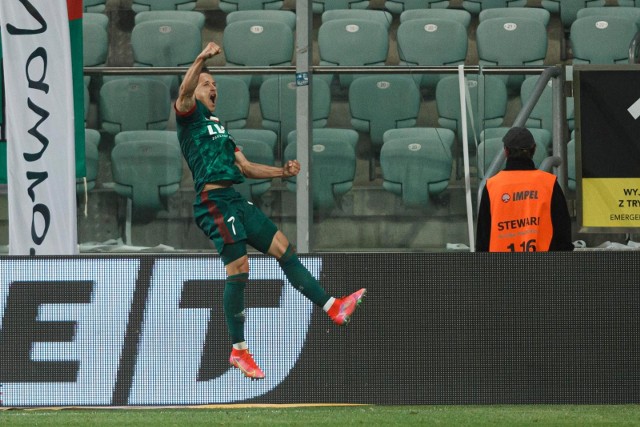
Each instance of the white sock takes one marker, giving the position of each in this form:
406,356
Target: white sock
241,345
329,303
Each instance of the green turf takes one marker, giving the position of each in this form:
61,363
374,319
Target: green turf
516,415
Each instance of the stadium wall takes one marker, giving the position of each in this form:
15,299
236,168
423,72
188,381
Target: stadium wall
436,328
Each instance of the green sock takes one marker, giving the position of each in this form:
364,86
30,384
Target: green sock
233,303
302,279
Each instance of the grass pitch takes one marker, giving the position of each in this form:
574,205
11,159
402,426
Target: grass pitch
508,415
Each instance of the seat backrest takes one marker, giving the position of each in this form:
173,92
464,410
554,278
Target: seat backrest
604,12
94,6
165,136
285,16
134,103
258,43
347,136
165,43
458,15
511,41
145,5
542,114
146,171
333,169
431,42
489,103
568,9
194,17
258,151
477,6
91,142
229,6
380,103
352,42
278,104
96,18
380,16
95,41
267,136
534,13
321,6
232,103
400,6
416,164
602,40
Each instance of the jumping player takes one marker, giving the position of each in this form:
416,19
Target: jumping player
231,221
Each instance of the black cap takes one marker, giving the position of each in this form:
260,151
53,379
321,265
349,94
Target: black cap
518,138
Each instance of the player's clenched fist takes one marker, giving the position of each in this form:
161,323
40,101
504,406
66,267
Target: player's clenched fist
291,168
210,51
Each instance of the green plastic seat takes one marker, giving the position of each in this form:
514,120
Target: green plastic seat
165,136
352,42
416,163
380,16
457,15
278,104
568,9
134,103
147,171
621,12
94,6
602,39
400,6
534,13
285,16
321,6
146,5
229,6
431,42
95,42
477,6
511,41
232,103
267,136
542,114
91,142
194,17
346,136
332,169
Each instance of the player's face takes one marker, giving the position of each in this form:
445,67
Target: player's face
206,91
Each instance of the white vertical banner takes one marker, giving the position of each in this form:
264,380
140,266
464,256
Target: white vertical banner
39,127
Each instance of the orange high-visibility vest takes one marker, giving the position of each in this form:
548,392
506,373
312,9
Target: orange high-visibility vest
521,211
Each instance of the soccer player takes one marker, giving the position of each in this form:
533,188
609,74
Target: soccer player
522,209
231,221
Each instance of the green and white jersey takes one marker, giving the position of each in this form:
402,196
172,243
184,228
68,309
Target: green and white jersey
207,147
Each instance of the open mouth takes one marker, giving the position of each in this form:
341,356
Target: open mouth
213,98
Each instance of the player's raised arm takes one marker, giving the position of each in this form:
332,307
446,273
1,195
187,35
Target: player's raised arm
260,171
186,95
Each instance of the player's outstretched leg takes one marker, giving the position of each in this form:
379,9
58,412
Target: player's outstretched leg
243,360
342,309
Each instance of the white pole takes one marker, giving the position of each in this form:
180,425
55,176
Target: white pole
465,154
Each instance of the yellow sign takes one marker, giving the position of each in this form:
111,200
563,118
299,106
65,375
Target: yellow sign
611,202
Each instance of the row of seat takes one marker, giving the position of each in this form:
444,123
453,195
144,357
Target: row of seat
361,38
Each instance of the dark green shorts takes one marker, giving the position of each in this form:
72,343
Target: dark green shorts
228,218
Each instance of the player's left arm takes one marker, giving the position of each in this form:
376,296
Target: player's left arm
260,171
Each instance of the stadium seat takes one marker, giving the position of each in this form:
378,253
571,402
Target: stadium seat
400,6
229,6
94,6
416,163
146,170
91,142
489,104
380,103
134,103
332,171
380,16
257,43
602,40
196,18
511,41
534,13
321,6
458,15
352,42
285,16
259,151
492,144
165,136
267,136
542,114
621,12
477,6
95,37
166,43
568,9
232,103
347,136
432,42
278,104
146,5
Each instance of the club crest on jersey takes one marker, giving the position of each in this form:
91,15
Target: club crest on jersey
506,197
